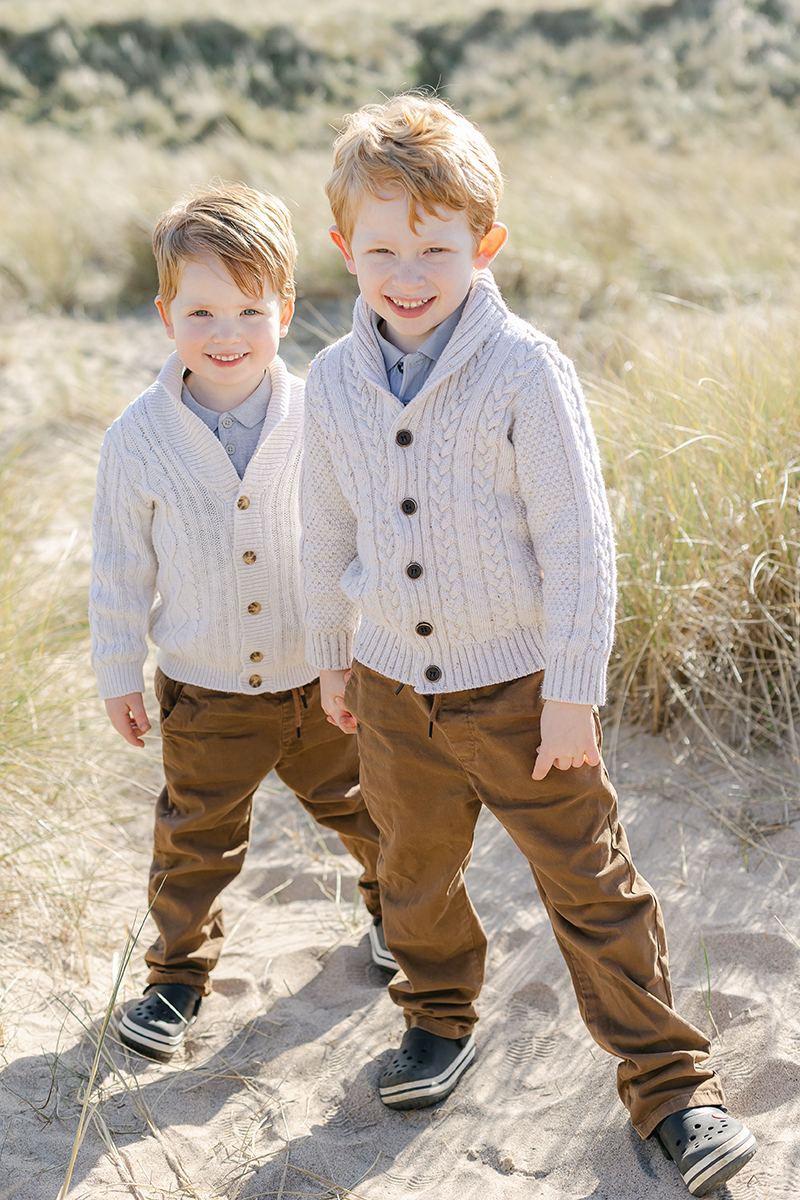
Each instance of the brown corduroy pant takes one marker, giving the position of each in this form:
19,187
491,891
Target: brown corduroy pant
425,795
217,748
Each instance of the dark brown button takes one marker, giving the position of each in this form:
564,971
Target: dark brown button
413,570
424,629
243,502
249,557
256,656
255,680
254,608
409,506
404,437
433,674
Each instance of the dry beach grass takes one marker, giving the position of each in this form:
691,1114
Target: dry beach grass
653,201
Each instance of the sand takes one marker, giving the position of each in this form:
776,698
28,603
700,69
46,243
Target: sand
275,1092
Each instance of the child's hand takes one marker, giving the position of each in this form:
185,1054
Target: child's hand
569,738
331,695
127,715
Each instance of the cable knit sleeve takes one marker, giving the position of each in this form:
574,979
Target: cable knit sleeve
328,546
561,482
123,575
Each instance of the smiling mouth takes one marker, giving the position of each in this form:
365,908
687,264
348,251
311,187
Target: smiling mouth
410,305
228,357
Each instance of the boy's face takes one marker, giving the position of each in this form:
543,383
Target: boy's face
225,338
414,278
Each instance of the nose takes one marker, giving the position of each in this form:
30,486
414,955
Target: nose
408,276
226,329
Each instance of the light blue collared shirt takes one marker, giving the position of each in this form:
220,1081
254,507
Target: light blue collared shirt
239,429
407,374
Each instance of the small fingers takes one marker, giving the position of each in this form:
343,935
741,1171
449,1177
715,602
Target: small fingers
339,716
140,724
544,762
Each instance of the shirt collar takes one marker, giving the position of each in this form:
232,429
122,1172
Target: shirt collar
250,412
433,345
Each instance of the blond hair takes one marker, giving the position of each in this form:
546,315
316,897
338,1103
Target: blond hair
249,231
425,148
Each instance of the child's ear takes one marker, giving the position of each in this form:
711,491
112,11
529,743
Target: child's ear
339,241
286,316
163,312
490,245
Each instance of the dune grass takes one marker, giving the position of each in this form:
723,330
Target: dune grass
44,788
699,437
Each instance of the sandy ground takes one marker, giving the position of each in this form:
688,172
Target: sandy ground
275,1092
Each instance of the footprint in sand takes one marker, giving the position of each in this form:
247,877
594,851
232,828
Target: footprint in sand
413,1182
361,970
338,1059
531,1012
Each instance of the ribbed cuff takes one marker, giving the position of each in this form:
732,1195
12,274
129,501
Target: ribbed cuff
575,681
119,681
330,651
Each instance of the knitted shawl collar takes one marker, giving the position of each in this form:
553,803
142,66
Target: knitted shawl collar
484,315
203,454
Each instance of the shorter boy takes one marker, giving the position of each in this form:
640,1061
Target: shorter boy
458,554
196,541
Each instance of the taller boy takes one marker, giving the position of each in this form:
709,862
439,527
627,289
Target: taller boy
453,499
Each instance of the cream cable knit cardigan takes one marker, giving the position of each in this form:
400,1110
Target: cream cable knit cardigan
174,523
508,518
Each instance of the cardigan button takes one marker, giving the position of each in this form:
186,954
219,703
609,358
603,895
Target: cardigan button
255,681
254,608
404,437
243,502
433,674
249,557
409,506
413,571
424,629
256,656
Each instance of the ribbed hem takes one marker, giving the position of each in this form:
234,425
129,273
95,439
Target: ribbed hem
119,681
330,651
576,681
463,665
220,680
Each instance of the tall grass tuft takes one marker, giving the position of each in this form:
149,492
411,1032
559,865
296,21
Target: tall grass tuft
43,882
703,463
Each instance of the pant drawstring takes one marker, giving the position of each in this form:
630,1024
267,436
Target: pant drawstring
298,694
437,704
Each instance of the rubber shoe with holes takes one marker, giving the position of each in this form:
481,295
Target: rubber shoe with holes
706,1145
157,1025
425,1069
381,954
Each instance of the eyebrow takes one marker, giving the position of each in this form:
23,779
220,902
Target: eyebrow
248,302
431,240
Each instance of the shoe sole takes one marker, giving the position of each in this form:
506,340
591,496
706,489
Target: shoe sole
717,1167
420,1093
381,956
160,1046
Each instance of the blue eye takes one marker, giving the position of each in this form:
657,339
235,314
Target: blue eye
201,312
